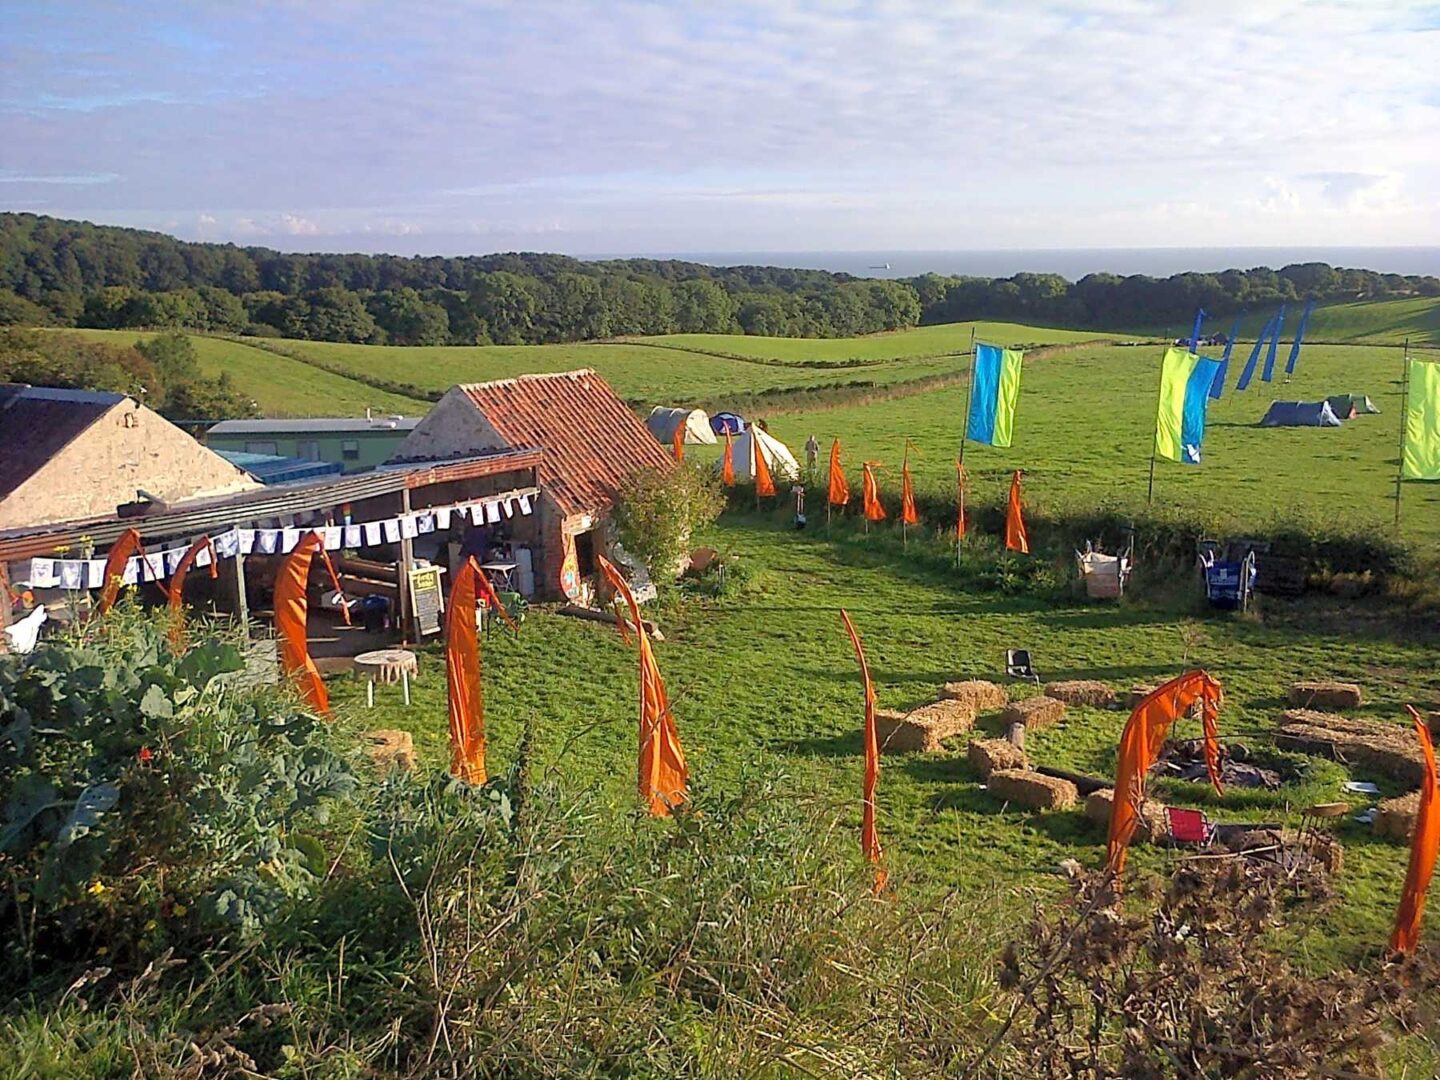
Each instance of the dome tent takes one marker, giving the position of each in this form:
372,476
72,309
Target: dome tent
727,421
663,422
1300,414
783,465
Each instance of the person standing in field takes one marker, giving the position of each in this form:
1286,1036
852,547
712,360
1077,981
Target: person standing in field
812,452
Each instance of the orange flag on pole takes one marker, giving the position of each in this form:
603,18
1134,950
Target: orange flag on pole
870,493
727,468
959,500
1141,743
908,514
663,776
677,441
869,835
1424,848
1017,538
764,482
126,545
464,696
291,610
177,588
839,486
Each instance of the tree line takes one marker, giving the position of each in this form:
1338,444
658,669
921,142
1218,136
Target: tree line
74,273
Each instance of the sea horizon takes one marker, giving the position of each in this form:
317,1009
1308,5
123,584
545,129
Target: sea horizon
1069,263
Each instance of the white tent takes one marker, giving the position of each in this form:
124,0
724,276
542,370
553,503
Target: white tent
783,465
662,423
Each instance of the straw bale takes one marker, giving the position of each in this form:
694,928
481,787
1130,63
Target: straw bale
1081,692
984,696
1395,818
1386,748
996,755
1151,827
924,729
391,749
1326,694
1035,712
1032,789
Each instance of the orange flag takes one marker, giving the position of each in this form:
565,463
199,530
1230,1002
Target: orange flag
959,500
869,836
663,774
1423,848
839,486
126,545
464,697
291,609
177,588
908,514
1016,536
870,492
677,442
764,482
1141,743
727,469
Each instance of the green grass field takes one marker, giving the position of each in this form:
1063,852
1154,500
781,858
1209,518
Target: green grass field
1373,322
765,681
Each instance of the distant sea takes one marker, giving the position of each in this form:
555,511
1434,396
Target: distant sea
1073,264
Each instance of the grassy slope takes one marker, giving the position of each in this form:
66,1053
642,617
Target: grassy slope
1085,427
1374,322
280,386
766,680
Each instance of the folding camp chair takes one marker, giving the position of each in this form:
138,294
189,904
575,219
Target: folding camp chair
1018,665
1189,826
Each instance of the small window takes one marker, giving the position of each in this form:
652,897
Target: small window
308,449
260,448
350,449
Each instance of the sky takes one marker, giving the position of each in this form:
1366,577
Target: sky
615,126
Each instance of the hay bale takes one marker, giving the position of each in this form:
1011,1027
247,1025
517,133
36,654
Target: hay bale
983,696
1035,712
1390,749
1151,827
1032,789
924,729
996,755
1326,694
1081,692
1395,818
391,749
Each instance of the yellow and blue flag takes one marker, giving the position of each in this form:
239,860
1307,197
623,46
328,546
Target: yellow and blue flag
994,395
1185,381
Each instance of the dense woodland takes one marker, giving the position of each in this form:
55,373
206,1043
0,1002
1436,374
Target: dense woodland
73,273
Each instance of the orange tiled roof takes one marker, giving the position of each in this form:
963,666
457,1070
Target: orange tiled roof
591,441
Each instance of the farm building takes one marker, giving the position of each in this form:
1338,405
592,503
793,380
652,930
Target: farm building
70,455
663,423
353,443
590,443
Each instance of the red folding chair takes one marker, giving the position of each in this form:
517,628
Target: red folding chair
1189,826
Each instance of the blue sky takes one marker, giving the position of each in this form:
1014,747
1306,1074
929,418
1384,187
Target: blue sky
729,125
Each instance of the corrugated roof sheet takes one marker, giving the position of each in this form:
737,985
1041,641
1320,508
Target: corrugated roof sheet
36,423
592,442
276,469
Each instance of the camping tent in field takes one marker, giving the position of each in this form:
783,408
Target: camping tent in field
1349,406
1300,414
722,422
783,465
663,422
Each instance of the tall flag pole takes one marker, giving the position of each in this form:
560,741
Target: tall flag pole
870,490
869,834
908,514
1269,373
839,493
1299,336
1424,847
964,437
1248,372
1217,388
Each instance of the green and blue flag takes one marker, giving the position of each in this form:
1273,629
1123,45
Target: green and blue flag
994,395
1185,381
1420,455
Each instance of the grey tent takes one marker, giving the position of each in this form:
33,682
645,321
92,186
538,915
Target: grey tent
663,423
1300,414
1348,406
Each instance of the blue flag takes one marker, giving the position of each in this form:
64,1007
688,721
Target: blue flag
1217,388
1197,400
1299,336
1274,345
1249,372
1200,314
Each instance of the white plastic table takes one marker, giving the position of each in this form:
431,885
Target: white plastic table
388,666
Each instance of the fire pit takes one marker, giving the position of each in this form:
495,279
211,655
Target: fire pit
1185,760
